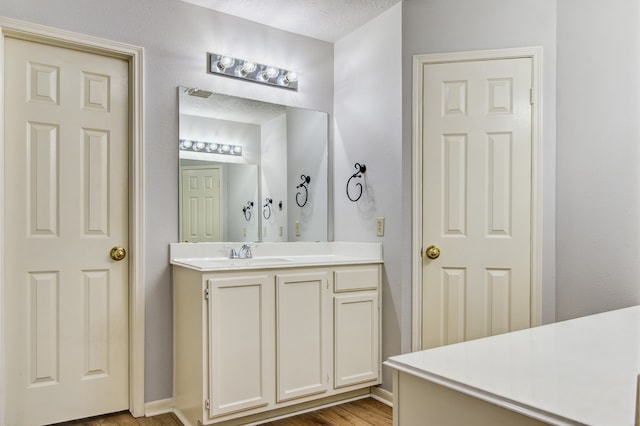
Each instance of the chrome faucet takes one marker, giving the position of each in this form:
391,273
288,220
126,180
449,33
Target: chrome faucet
245,252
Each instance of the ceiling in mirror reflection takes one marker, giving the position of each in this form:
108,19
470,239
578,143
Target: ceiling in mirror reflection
229,108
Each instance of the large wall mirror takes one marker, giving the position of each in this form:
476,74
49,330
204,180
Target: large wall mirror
250,171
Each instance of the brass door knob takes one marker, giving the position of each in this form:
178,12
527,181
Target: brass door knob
433,252
118,253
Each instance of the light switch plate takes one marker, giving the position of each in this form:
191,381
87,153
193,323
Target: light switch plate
380,226
298,228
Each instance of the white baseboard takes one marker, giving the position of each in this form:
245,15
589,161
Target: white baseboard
382,395
164,406
161,406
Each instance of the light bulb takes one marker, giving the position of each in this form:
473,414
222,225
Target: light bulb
198,146
267,73
225,148
248,67
186,144
245,68
237,149
225,62
212,147
291,77
288,78
271,72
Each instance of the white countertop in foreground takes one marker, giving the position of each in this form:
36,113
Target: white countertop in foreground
581,371
210,257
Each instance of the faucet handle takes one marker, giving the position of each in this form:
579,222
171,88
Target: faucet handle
245,251
233,253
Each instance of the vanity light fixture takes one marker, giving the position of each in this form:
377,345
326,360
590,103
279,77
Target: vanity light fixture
211,147
251,71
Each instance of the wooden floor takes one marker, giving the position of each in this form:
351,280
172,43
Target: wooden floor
126,419
363,412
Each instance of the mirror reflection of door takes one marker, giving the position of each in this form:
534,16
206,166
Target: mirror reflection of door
201,204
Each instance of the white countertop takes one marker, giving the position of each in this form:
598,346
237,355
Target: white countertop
582,371
210,257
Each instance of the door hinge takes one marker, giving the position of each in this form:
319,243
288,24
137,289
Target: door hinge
207,405
206,294
531,96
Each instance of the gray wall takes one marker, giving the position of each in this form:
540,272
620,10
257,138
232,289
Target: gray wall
176,37
435,26
598,180
368,130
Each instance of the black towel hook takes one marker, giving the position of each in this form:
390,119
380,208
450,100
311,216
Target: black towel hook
266,211
361,168
247,211
305,181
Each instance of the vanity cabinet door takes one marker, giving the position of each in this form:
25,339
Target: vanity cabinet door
356,338
239,314
356,322
301,335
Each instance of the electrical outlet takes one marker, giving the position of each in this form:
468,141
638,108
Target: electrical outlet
244,232
298,228
380,226
281,231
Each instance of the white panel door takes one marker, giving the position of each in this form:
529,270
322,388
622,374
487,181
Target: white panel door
476,199
201,204
66,198
239,343
301,335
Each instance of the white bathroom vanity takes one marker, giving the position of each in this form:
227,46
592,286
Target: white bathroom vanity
295,326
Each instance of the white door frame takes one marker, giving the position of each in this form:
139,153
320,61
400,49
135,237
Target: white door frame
134,56
535,53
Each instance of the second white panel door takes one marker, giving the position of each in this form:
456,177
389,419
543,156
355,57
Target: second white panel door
476,199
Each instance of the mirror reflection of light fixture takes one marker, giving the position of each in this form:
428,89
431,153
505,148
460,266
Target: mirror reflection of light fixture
251,71
211,147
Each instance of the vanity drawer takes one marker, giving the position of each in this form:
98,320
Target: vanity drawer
356,278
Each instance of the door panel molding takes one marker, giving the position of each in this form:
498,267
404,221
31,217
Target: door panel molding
419,61
134,56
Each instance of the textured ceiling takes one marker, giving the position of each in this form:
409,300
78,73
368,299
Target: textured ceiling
229,108
327,20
